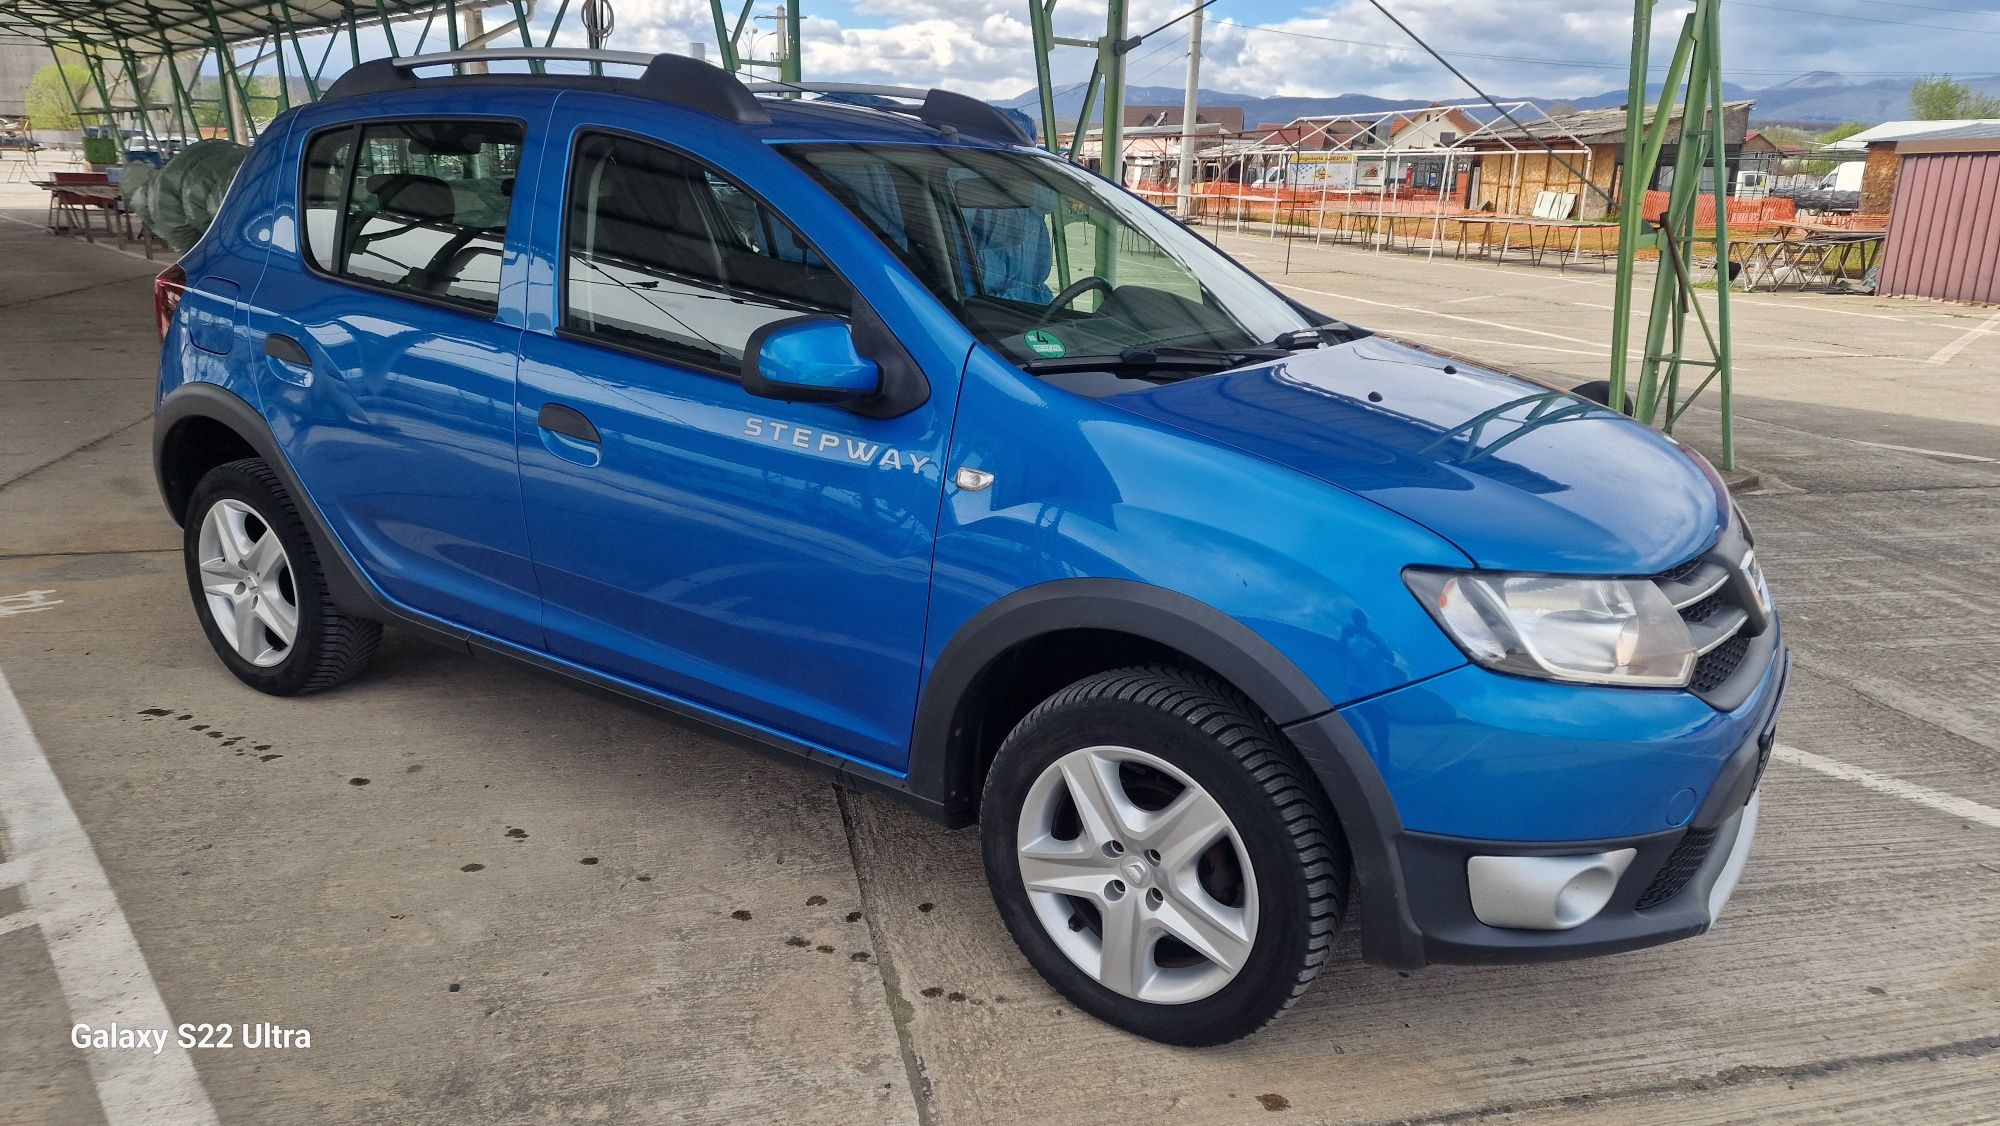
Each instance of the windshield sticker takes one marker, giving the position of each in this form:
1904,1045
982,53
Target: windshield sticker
1045,344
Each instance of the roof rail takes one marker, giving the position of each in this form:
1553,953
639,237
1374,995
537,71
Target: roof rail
673,79
684,81
940,108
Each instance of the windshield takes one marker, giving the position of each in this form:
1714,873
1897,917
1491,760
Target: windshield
1043,260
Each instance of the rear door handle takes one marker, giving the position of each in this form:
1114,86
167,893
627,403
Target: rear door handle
281,347
568,422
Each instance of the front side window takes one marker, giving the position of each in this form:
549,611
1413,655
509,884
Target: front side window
426,211
665,254
1041,259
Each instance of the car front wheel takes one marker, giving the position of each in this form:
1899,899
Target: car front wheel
1162,855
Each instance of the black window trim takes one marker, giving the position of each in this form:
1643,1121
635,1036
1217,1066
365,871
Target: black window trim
656,353
478,310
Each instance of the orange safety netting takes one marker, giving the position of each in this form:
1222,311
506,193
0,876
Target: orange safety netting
1742,212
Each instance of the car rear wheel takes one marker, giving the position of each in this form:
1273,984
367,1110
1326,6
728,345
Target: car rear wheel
1162,855
255,577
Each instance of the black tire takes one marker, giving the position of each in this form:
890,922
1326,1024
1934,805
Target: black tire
328,647
1219,740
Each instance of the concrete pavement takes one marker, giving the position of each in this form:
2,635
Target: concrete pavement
493,899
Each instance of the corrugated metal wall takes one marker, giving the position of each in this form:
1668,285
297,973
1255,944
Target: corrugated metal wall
1944,232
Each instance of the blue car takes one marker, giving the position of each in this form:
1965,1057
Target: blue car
845,422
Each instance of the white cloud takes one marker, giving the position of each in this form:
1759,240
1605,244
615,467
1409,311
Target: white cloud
983,46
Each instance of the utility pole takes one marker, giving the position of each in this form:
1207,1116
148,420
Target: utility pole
1190,102
475,28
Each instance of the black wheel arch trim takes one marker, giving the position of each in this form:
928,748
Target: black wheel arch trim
1226,646
351,593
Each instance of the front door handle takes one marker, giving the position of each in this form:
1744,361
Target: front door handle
568,422
283,348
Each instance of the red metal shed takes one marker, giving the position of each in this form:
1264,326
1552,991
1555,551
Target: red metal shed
1944,227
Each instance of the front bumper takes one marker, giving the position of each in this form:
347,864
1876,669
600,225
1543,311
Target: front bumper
1414,899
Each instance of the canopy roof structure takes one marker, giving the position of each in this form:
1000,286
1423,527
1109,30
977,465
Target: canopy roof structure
176,69
152,26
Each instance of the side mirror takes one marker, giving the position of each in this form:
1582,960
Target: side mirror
809,359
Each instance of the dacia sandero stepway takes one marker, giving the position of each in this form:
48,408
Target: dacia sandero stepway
848,423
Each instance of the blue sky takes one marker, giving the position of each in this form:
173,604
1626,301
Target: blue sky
1539,48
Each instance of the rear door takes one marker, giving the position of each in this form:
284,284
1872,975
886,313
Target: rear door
390,359
767,560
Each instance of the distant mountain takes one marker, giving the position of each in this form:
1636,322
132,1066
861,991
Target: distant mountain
1816,98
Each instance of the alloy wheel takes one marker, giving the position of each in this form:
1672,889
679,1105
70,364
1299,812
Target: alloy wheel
1137,874
246,579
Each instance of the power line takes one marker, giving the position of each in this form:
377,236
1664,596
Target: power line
1865,19
1929,7
1574,63
1191,11
1500,109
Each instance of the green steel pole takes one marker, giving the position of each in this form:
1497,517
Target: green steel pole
1724,357
1040,23
1633,199
527,37
388,32
555,25
96,72
1083,118
130,63
184,114
790,71
298,52
1681,201
62,75
1111,61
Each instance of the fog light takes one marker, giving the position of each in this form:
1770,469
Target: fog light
1544,893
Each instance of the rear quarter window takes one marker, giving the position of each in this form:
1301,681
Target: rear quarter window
417,206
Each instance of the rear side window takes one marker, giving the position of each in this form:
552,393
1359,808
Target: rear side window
425,207
329,159
665,254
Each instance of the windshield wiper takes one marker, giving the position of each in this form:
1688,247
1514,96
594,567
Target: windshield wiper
1332,332
1151,353
1130,359
1159,357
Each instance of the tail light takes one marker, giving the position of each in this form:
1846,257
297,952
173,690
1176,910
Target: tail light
167,291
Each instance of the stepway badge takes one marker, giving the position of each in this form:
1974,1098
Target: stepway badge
1043,343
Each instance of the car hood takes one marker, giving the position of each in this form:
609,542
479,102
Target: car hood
1517,475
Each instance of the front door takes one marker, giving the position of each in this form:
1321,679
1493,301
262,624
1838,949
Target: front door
766,560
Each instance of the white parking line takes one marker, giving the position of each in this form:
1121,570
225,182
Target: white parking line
1883,784
1945,354
98,964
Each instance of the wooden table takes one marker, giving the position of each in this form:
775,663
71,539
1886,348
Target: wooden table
1538,236
68,216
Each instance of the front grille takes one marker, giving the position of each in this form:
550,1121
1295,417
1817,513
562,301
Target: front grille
1680,572
1687,859
1717,665
1708,607
1709,592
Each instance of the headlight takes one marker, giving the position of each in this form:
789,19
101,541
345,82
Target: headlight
1595,631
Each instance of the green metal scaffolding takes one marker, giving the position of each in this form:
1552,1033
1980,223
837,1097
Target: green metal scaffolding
1672,354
